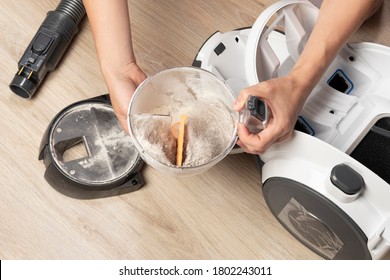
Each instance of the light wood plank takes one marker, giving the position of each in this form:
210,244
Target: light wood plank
217,215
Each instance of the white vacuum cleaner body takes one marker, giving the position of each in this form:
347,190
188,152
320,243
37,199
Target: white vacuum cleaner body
329,185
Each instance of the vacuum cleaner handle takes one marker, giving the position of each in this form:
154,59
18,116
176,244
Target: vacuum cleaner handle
255,114
47,47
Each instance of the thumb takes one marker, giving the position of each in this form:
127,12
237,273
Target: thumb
123,122
239,103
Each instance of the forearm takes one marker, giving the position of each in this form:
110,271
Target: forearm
110,25
337,21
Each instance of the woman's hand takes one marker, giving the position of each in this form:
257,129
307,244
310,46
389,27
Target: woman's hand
121,88
285,98
110,25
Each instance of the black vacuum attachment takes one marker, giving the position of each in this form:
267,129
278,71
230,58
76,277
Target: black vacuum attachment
47,47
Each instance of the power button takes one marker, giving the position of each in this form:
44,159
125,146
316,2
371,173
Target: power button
41,43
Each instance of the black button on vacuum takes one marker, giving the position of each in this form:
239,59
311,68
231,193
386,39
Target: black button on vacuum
346,179
219,49
41,43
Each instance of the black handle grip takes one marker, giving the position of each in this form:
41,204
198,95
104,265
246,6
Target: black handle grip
257,108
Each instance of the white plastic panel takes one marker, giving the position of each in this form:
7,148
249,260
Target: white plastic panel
297,18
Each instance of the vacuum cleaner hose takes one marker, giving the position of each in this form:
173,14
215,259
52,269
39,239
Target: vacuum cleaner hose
47,47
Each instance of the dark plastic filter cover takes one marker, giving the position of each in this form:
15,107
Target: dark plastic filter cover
85,147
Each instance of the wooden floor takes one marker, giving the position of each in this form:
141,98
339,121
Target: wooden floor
220,214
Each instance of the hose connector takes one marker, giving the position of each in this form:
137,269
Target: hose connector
47,47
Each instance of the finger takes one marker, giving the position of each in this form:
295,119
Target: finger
248,141
123,122
269,136
243,147
243,133
239,103
256,143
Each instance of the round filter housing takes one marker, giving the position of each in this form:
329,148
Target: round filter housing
85,147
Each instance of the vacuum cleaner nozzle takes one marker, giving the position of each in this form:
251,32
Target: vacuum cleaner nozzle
47,47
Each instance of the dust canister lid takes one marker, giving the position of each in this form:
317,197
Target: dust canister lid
85,147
